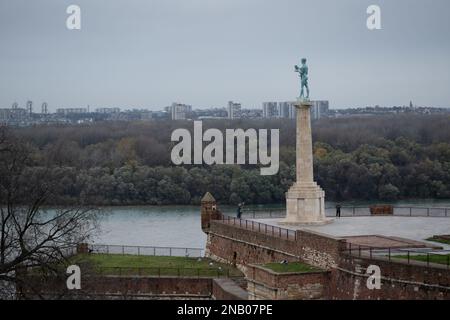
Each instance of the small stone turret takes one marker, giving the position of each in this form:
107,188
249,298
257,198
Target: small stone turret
209,211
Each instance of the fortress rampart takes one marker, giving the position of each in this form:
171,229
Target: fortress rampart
244,244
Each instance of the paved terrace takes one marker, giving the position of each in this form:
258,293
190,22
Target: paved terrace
412,228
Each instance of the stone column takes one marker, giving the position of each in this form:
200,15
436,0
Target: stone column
305,200
304,143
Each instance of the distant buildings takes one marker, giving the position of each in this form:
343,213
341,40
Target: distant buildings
292,111
319,109
24,116
270,110
179,111
30,107
251,113
377,110
234,110
287,110
210,113
14,116
146,114
67,111
107,110
130,115
160,115
44,108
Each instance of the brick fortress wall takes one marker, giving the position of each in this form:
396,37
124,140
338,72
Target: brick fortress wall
233,244
398,280
134,287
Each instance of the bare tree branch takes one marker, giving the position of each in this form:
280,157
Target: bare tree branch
33,238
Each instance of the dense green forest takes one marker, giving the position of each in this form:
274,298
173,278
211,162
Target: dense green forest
127,163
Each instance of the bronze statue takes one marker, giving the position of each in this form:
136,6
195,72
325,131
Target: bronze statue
303,72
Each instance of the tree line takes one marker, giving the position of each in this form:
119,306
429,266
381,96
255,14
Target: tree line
128,163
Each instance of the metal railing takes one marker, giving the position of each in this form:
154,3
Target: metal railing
264,213
423,256
422,211
263,228
166,272
355,211
146,251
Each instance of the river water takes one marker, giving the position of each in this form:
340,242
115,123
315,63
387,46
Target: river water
175,226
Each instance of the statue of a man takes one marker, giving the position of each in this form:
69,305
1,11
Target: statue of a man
303,71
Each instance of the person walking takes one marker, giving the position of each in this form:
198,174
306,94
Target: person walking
239,211
338,210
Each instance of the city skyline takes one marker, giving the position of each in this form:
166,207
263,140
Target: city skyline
149,54
38,106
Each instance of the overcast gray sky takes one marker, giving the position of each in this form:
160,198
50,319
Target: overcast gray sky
150,53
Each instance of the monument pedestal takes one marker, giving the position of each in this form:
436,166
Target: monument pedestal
305,200
305,205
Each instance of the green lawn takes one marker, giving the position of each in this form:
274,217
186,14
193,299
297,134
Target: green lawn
291,267
112,264
433,258
438,239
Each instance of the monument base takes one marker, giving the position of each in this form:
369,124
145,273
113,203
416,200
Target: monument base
305,205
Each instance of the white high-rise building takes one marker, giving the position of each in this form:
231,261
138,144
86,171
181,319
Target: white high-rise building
270,110
319,109
286,109
234,110
292,111
179,111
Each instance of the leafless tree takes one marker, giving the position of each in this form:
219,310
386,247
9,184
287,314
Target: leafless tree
34,239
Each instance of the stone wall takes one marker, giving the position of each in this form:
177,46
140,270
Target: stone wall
150,286
347,279
227,289
131,287
240,246
266,284
398,280
122,287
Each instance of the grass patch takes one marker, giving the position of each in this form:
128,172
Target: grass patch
433,258
112,264
291,267
439,239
